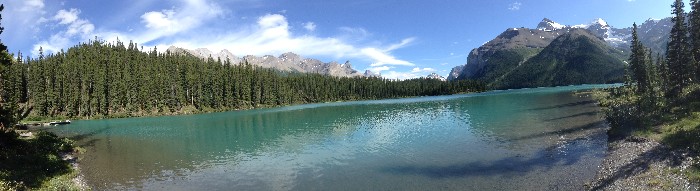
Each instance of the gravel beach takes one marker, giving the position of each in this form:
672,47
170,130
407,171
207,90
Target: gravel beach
642,164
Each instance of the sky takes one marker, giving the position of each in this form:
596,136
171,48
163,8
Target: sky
398,38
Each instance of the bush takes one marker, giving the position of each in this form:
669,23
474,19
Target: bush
34,163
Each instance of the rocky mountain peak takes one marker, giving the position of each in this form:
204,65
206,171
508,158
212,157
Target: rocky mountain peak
289,56
598,24
369,73
346,64
549,25
436,76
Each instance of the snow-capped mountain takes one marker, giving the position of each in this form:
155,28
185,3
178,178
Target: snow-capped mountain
436,76
549,25
653,33
286,62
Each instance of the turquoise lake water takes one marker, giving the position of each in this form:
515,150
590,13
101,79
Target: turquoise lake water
529,139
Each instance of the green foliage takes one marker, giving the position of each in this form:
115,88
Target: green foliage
678,54
502,62
694,25
35,163
639,64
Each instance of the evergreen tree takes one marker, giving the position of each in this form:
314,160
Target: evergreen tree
638,63
678,53
694,22
7,104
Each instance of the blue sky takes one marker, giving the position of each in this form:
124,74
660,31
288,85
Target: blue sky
399,38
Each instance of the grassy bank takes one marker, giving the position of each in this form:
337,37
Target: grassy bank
675,124
36,163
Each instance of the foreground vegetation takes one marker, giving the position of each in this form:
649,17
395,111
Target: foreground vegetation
36,163
661,98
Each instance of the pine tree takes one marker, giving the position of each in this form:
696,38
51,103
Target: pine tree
678,57
7,105
694,22
638,63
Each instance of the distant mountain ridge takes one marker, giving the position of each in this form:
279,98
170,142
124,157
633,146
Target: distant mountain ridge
513,53
652,32
289,62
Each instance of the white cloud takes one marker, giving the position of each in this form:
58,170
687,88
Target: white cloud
379,69
182,26
164,23
399,75
382,58
402,44
353,33
32,5
67,17
77,29
310,26
514,6
418,70
158,19
21,21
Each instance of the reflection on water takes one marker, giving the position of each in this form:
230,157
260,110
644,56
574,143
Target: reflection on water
544,138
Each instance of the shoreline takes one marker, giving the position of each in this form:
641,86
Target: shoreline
637,163
79,179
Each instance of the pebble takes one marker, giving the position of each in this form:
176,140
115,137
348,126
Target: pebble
641,164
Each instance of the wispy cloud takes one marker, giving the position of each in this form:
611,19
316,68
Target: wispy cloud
310,26
76,29
271,34
417,70
514,6
413,73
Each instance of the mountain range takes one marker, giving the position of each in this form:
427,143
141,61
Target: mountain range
555,54
289,62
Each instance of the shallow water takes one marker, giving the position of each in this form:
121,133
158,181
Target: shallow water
532,139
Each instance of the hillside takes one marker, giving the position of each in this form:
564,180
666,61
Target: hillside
577,57
497,56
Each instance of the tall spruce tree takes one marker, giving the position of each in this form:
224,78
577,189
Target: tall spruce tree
694,22
678,53
638,63
7,106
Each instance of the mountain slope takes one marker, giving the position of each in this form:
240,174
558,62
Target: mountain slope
577,57
507,49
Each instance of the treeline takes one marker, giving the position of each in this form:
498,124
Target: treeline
660,88
98,79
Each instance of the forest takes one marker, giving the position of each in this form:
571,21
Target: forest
100,80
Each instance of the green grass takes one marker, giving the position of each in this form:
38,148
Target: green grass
35,164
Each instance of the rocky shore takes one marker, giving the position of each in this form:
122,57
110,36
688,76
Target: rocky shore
641,164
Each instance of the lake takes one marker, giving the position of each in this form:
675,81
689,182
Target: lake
528,139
